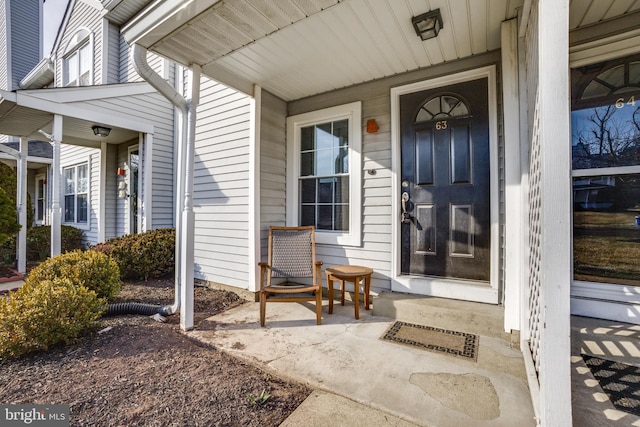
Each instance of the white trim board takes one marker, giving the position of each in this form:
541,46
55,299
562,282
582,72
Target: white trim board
439,287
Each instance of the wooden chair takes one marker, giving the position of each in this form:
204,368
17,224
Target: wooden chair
292,255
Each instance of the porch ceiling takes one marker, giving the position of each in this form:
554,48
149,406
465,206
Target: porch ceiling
24,113
298,48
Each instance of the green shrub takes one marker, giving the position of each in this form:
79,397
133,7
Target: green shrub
9,182
38,317
144,255
8,217
39,243
89,269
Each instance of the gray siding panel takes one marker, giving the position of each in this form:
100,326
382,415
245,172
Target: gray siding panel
25,46
272,167
221,181
111,190
113,71
4,51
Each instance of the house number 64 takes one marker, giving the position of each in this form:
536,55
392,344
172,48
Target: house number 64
620,102
441,125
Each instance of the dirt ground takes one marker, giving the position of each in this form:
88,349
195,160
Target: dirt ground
144,373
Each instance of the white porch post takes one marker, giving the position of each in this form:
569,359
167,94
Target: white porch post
21,202
102,213
188,215
555,210
56,212
147,181
513,177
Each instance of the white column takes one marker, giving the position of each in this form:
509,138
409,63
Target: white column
56,211
188,216
147,182
102,209
254,189
21,202
512,176
555,187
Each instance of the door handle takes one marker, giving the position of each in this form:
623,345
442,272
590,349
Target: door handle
406,218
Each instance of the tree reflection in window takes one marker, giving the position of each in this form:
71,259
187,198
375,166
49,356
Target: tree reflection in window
605,116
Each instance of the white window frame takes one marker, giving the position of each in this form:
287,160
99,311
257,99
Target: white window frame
352,112
81,39
598,299
75,223
41,177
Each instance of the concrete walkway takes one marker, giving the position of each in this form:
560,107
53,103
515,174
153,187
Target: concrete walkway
10,286
361,380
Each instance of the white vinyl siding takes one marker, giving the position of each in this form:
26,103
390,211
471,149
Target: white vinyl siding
152,108
221,186
127,72
86,17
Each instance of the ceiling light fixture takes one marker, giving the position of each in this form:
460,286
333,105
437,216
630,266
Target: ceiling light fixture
427,25
101,130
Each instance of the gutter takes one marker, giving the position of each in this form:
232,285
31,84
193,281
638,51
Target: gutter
40,76
186,149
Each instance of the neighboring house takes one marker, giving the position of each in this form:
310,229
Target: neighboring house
107,186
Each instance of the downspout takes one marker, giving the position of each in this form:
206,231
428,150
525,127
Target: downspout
185,224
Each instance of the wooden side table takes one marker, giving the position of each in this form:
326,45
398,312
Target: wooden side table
349,273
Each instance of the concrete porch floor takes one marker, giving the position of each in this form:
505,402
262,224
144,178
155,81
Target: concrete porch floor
361,380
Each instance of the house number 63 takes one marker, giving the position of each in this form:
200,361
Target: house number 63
441,125
621,102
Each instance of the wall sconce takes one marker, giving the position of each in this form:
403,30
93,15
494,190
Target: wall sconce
427,25
100,130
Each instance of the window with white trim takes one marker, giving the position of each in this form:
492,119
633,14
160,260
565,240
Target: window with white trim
76,194
324,173
77,62
41,199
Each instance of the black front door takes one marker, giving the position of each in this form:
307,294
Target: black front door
446,220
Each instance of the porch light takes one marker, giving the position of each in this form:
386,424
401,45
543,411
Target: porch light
100,130
427,25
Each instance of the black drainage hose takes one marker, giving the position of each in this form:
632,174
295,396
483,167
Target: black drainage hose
137,308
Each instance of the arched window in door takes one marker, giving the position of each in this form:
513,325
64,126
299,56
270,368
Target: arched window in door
442,107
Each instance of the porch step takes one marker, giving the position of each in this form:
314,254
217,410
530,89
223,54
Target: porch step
605,338
462,316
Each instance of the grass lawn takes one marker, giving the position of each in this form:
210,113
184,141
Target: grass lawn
606,247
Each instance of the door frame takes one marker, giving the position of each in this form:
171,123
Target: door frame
128,228
434,286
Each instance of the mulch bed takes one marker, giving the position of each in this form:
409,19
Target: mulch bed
144,373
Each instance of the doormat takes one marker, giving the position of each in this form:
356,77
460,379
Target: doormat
621,382
454,343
